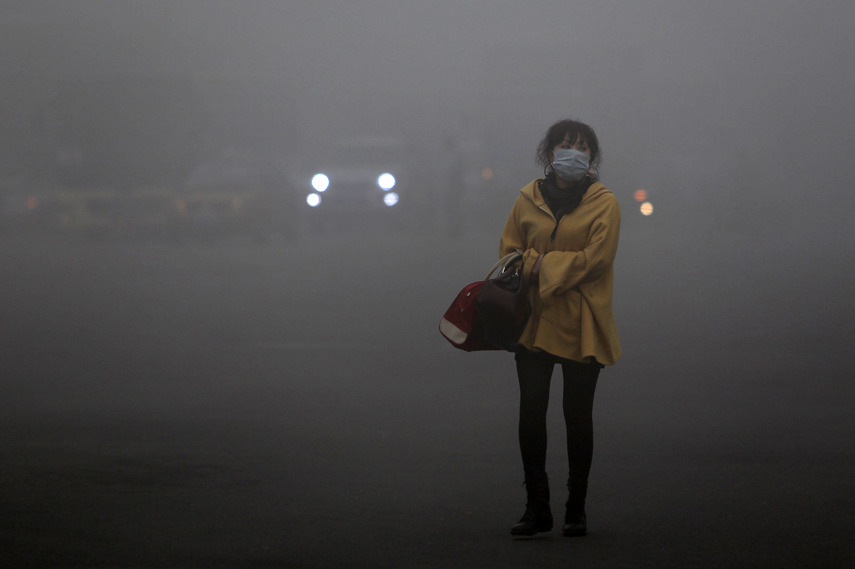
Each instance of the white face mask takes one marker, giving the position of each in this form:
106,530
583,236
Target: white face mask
570,164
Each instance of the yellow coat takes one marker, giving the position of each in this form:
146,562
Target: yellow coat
571,313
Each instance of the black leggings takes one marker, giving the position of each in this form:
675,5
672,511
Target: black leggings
580,381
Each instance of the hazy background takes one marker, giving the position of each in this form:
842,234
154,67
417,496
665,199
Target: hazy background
180,396
744,105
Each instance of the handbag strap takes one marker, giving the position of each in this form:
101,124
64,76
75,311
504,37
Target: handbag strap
508,259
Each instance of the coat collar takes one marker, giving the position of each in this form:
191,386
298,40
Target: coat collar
532,192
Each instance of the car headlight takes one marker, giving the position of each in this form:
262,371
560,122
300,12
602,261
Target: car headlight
386,181
390,199
320,182
314,200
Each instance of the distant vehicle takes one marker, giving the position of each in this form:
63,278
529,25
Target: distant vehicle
236,194
105,213
357,175
94,212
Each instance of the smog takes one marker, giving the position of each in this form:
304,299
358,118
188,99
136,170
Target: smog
230,230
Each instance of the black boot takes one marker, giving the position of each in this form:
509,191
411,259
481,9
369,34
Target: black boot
538,515
575,524
575,520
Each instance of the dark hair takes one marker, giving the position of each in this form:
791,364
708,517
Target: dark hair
572,131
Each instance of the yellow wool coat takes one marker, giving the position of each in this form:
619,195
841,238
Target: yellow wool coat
571,313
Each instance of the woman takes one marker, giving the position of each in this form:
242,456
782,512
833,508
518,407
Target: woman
567,224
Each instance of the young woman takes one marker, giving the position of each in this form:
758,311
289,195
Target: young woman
568,224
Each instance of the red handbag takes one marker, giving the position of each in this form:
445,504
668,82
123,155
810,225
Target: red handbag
465,323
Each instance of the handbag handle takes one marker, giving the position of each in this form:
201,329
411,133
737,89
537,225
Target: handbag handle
504,262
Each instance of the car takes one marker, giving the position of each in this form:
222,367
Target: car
236,193
365,175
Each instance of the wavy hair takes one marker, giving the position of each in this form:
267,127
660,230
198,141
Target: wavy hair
571,130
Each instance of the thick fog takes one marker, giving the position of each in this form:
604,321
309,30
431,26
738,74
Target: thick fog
179,321
689,88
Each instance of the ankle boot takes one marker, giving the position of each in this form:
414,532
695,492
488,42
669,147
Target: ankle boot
538,515
575,520
575,524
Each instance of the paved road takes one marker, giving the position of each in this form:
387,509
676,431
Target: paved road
292,405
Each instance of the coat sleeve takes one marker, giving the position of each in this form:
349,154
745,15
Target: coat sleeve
514,239
561,271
